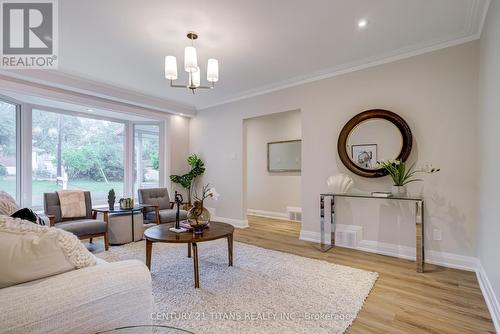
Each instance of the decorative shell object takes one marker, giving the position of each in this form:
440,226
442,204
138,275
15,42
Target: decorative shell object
340,183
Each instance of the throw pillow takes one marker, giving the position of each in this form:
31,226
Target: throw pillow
7,204
29,251
29,215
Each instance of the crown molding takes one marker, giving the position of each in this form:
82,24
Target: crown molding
57,80
484,14
473,27
337,71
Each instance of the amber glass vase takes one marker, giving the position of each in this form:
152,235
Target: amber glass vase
198,217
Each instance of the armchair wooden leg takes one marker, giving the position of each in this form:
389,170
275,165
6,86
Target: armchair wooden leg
157,213
90,240
106,241
189,250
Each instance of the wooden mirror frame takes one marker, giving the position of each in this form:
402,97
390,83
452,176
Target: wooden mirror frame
387,115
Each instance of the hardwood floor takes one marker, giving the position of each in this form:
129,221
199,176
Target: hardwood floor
441,300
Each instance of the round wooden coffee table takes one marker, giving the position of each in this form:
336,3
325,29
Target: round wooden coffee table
162,233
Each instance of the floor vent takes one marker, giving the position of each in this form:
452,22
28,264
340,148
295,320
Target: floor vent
348,235
294,213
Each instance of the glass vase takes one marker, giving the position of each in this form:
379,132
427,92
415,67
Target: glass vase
198,217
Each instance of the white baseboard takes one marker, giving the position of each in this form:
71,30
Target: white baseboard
444,259
489,295
238,223
268,214
310,236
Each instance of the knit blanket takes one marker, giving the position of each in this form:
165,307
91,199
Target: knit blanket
72,203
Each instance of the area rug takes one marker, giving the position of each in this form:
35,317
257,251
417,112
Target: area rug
264,292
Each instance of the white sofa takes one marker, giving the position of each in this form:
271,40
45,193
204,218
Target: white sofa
88,300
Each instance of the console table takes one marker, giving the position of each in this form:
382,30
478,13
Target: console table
419,221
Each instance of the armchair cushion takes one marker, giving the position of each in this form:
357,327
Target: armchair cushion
83,227
167,215
52,206
155,196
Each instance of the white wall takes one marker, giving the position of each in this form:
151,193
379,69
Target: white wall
177,149
436,93
267,191
489,230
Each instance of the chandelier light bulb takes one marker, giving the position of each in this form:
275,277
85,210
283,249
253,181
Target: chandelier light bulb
190,59
196,77
170,68
213,70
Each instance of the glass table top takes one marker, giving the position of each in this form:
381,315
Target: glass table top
147,330
369,195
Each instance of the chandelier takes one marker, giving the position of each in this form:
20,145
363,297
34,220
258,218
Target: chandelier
191,66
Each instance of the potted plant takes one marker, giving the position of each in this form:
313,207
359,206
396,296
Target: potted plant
187,180
111,199
198,216
401,175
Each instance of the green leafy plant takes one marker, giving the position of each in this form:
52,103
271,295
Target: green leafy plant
187,180
155,160
401,175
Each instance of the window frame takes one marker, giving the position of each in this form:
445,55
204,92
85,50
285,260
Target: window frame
24,128
19,151
161,148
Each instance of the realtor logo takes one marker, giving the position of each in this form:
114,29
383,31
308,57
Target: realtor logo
29,34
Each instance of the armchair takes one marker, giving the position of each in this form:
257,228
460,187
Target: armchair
86,227
159,207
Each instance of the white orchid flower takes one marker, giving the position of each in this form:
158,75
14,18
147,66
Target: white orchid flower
212,192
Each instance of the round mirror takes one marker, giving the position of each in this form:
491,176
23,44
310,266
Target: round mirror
372,136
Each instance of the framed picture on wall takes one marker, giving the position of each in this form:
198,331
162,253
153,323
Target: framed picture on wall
364,155
284,156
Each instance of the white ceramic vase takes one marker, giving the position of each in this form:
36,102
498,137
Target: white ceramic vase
398,190
340,183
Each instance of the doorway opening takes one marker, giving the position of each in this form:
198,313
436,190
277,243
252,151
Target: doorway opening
273,163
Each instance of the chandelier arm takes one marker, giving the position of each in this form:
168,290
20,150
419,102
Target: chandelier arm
190,86
177,86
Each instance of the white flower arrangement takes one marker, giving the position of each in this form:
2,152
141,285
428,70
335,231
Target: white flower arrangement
402,175
207,192
212,192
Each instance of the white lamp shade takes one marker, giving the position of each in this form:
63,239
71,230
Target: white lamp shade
212,70
196,77
190,59
170,68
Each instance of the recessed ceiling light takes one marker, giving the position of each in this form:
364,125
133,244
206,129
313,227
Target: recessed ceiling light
181,114
90,110
362,23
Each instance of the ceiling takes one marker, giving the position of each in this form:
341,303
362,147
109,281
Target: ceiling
261,45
